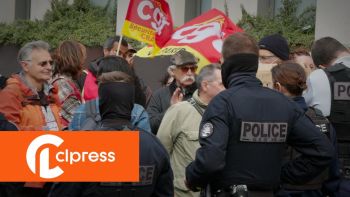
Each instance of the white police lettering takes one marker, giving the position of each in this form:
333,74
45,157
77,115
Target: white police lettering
197,33
342,91
322,127
159,19
207,130
263,132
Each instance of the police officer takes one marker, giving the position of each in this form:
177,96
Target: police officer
116,93
244,131
329,91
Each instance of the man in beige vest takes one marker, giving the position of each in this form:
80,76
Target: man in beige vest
179,128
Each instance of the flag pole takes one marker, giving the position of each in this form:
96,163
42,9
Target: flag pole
116,33
119,43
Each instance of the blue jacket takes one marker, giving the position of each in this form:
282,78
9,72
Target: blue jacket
139,117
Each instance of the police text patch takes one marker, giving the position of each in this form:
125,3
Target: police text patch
342,91
146,175
207,130
263,132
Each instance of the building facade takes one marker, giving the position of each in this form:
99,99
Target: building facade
331,16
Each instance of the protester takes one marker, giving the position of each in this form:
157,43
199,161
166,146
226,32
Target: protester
87,116
303,57
184,66
30,103
273,49
69,58
178,131
29,93
116,95
110,48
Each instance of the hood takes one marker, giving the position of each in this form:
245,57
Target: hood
239,63
116,100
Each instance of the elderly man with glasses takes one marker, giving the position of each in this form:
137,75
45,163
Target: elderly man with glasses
184,66
28,100
30,103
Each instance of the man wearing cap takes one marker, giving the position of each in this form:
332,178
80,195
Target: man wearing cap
184,66
273,49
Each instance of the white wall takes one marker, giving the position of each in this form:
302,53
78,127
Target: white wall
7,11
333,19
38,8
234,7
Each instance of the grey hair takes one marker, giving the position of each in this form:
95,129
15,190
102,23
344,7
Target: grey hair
26,51
207,73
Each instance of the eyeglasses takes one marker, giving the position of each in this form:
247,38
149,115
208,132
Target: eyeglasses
43,63
185,69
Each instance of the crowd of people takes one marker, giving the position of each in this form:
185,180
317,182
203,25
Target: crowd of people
214,132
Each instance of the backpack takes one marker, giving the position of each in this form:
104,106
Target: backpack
2,82
93,117
6,125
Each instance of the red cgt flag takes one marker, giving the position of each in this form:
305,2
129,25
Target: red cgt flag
203,36
149,21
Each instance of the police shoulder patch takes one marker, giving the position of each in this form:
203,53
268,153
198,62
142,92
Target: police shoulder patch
206,130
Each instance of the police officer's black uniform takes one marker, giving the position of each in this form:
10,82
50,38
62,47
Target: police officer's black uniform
243,135
339,79
156,177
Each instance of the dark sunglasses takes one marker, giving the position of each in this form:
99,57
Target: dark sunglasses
186,68
44,63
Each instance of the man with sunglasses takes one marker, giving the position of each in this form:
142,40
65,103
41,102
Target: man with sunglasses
184,66
29,101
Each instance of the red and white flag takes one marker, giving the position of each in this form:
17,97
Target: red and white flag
149,21
202,36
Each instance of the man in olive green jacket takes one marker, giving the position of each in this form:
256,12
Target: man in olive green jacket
179,128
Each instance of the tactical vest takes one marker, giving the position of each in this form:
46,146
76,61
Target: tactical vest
339,79
323,124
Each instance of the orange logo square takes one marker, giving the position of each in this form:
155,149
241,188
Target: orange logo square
69,156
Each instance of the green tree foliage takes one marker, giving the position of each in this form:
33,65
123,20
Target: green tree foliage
81,21
298,29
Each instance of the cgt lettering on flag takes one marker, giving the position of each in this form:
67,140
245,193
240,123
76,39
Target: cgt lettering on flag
148,21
